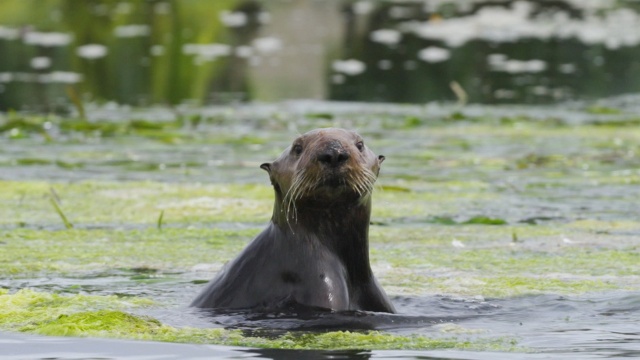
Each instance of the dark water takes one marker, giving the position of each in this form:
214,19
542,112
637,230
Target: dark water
215,151
228,51
66,349
115,56
595,325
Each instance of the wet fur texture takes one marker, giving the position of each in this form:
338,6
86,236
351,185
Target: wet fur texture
315,250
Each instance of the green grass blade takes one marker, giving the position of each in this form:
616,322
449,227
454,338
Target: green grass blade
67,224
160,220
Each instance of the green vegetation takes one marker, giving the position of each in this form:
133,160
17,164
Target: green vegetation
94,203
603,110
29,253
464,207
107,316
168,76
489,252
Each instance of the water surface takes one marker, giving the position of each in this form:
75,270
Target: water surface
555,274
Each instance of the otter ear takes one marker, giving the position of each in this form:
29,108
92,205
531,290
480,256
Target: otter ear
266,167
380,159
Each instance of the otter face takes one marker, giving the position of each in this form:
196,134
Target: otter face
325,165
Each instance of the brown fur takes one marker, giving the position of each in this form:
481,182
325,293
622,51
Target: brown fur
315,250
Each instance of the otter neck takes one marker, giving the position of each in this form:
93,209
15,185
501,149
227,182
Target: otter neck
343,227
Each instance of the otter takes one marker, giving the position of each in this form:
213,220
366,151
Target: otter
315,250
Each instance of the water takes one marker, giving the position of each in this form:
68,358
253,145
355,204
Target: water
178,63
597,325
550,326
65,348
562,172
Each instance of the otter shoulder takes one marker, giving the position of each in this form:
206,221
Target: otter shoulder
276,269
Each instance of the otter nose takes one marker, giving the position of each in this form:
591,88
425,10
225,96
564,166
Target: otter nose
333,156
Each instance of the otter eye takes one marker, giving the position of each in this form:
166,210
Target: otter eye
360,145
297,149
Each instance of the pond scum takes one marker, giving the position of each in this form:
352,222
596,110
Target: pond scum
105,316
449,228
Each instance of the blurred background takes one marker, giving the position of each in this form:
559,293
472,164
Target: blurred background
203,52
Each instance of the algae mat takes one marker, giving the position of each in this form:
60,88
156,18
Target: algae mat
484,219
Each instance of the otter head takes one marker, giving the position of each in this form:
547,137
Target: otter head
324,167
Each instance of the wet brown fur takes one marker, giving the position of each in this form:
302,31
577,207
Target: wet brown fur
315,250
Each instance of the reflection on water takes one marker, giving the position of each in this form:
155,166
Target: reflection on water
565,327
550,326
237,50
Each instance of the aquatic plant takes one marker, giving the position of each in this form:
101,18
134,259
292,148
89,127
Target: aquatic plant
106,316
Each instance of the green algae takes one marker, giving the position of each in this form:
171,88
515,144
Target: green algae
603,110
189,214
511,286
35,124
134,202
28,253
435,201
489,251
123,325
110,250
27,308
108,316
574,261
169,132
476,259
476,220
518,286
99,323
